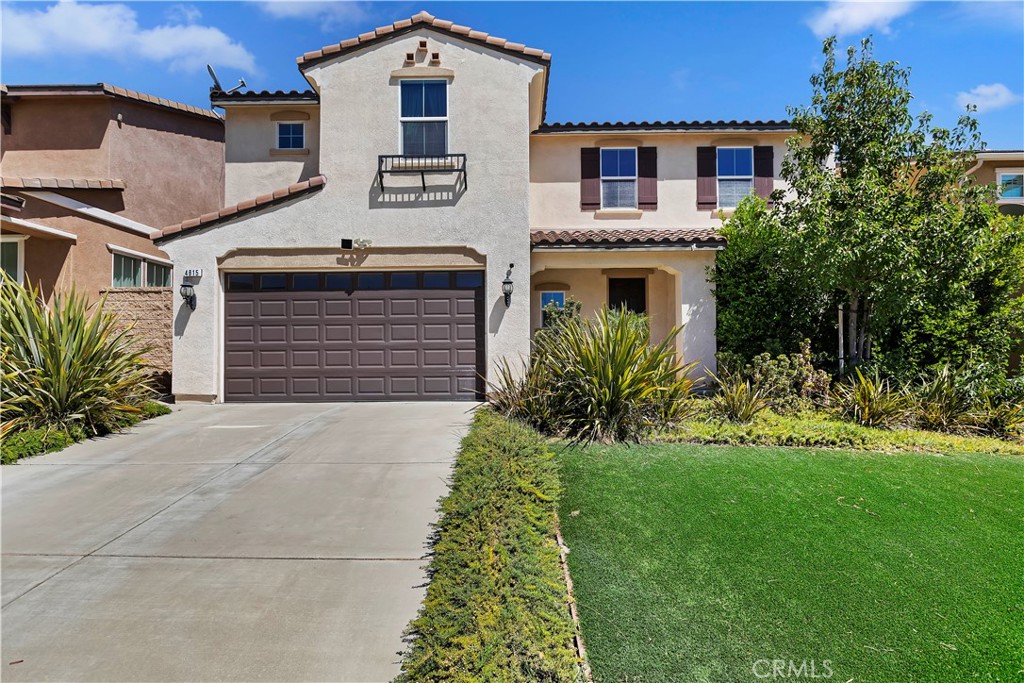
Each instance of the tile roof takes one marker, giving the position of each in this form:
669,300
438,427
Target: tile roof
423,19
62,183
208,220
625,237
261,95
107,90
597,126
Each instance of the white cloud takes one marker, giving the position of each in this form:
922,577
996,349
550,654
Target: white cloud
113,31
330,14
183,14
849,17
988,97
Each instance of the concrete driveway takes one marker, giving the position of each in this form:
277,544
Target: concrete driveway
230,542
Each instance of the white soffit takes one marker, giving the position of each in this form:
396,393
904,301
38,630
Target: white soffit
37,230
92,212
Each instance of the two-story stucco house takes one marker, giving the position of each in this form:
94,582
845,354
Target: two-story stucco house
396,230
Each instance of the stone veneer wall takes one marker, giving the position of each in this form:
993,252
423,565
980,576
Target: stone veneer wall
151,310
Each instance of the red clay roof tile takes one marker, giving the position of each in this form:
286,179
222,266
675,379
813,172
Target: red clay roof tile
62,183
427,20
625,237
208,220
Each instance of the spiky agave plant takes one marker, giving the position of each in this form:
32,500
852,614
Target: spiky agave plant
66,365
736,399
873,401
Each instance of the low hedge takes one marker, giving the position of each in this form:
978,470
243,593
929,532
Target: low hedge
29,442
495,609
819,430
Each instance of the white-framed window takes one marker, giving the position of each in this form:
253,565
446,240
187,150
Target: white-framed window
735,175
618,177
157,275
555,298
127,271
1010,185
12,256
291,135
135,269
424,117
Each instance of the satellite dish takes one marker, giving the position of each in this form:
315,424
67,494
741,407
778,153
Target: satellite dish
216,81
241,84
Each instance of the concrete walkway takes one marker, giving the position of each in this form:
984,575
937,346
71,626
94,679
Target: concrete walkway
230,542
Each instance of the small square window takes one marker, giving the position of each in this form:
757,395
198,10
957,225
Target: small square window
273,282
436,280
291,136
371,280
469,278
241,282
158,275
127,271
338,281
403,280
1010,186
306,281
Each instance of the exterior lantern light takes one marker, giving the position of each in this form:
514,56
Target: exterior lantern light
188,294
507,286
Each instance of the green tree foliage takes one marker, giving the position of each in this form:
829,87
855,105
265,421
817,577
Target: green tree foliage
895,230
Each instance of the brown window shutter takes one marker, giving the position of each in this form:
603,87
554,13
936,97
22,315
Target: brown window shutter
764,171
707,178
590,179
647,178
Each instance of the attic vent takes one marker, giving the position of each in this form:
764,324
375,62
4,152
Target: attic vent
423,46
410,57
435,58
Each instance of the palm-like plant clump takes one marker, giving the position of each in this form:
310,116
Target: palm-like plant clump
66,366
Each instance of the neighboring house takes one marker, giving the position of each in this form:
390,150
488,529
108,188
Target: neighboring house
376,222
88,171
1004,169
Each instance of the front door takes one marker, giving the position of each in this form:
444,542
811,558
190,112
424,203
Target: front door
628,292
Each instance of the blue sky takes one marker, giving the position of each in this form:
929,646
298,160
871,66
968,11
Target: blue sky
611,61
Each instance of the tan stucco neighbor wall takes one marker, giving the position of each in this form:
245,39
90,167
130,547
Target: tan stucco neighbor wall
555,178
251,167
489,121
678,292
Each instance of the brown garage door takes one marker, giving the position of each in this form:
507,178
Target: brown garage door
354,336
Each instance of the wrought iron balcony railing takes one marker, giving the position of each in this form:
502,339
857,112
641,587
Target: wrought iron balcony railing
398,164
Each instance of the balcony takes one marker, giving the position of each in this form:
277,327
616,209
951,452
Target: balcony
397,164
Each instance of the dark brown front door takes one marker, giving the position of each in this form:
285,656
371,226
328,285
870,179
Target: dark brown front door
628,292
354,336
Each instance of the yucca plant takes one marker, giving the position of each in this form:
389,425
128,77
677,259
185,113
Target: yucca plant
872,401
598,379
942,403
736,399
66,366
998,417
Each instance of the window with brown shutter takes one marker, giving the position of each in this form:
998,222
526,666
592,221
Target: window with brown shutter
707,178
590,179
647,178
764,171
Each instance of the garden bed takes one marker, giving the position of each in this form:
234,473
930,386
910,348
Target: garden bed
496,607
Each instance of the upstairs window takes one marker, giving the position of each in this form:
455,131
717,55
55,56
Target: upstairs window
424,118
735,175
1010,185
618,178
291,135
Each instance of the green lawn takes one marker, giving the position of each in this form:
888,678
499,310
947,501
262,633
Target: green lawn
691,563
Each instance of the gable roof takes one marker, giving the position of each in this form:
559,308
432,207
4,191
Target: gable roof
106,90
422,20
265,201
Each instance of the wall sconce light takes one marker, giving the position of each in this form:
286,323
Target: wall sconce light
188,294
507,286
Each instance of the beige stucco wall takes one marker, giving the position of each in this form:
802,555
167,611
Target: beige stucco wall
555,178
489,120
58,139
678,292
251,168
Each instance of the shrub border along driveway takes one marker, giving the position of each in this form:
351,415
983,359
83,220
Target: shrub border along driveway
496,607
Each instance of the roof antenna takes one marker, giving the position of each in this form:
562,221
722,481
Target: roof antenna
216,87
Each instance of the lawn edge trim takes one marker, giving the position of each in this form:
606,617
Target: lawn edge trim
581,650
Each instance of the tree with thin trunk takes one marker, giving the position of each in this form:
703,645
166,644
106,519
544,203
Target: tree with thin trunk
859,224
